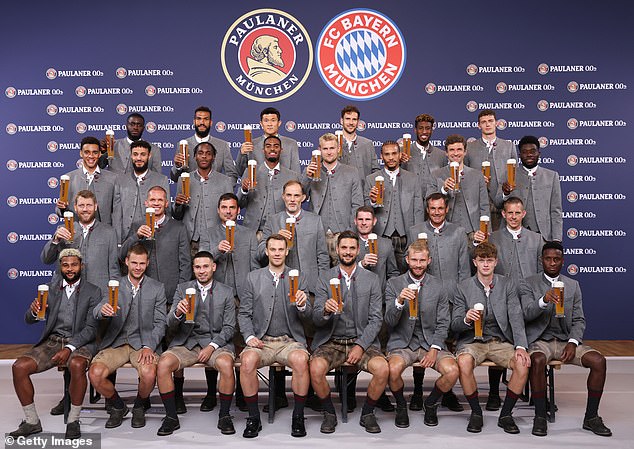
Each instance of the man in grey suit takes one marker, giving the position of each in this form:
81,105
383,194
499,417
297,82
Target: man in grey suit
198,210
133,334
131,190
402,204
68,340
348,331
271,324
122,163
503,338
223,161
335,195
265,199
496,151
270,123
421,337
96,241
200,336
540,191
169,259
467,202
559,338
90,177
358,151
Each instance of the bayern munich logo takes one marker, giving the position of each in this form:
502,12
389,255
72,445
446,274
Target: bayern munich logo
10,92
572,233
361,54
572,160
572,197
266,55
12,201
121,72
573,86
80,91
573,269
543,142
221,127
51,73
12,273
542,105
81,128
290,126
52,182
502,124
51,109
53,219
431,88
472,106
11,128
12,165
122,109
543,69
151,127
150,91
501,87
12,237
572,123
472,70
52,146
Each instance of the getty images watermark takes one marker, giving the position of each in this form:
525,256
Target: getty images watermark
53,440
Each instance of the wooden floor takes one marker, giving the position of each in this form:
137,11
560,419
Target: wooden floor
609,348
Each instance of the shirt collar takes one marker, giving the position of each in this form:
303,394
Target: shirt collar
296,216
531,171
87,173
65,284
423,150
551,280
345,275
205,287
515,234
141,176
89,225
203,139
437,230
394,173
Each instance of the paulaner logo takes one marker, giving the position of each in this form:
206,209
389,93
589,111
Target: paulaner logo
266,55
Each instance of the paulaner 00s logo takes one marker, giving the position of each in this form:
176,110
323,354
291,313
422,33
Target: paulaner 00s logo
361,54
266,55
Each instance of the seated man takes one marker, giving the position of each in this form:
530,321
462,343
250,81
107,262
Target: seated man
503,338
133,334
559,338
273,331
68,340
350,333
420,339
205,339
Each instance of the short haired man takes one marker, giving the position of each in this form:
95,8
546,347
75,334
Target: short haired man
358,151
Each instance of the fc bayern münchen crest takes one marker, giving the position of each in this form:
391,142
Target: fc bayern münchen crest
360,54
266,55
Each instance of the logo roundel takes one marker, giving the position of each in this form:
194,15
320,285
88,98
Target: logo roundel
543,69
52,146
542,105
290,126
151,127
221,126
572,196
12,273
572,233
10,92
502,124
572,160
121,72
572,123
361,54
431,88
501,87
12,164
52,182
81,128
51,109
12,201
12,237
543,141
266,55
472,106
573,86
51,73
122,108
80,91
573,269
53,219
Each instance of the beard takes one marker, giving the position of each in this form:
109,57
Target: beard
133,138
73,278
142,169
275,60
204,133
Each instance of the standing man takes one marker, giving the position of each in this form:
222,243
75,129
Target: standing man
402,205
350,335
222,163
68,340
90,177
358,151
553,338
270,123
272,329
133,334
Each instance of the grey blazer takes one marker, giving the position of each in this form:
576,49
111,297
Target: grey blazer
223,162
433,313
221,311
506,309
368,310
527,250
87,297
100,254
538,319
386,267
289,158
121,162
503,150
169,254
151,313
309,248
256,306
423,168
362,156
103,188
410,194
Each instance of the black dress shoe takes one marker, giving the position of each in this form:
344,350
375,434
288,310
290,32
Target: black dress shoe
314,403
208,404
596,426
298,429
168,426
225,424
180,404
475,423
540,426
58,409
369,422
416,402
138,417
72,430
116,417
253,428
493,403
450,400
25,429
280,402
508,424
431,415
329,423
402,418
385,404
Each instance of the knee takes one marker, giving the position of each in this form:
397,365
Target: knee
147,373
396,369
249,362
97,373
298,361
452,372
22,367
596,362
225,366
538,361
317,369
380,370
77,366
465,364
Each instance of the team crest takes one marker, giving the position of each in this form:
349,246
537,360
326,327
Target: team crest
79,162
361,54
471,139
430,88
266,55
572,160
361,126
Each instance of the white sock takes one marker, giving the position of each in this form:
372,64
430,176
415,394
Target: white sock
73,414
31,414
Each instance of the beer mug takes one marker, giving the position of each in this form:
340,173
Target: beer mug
293,283
413,305
64,188
407,144
511,166
486,169
247,133
335,292
290,227
252,167
183,148
558,286
190,295
379,182
484,226
422,236
373,247
230,233
69,224
185,182
42,299
339,135
454,169
113,295
477,324
150,216
316,158
110,143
